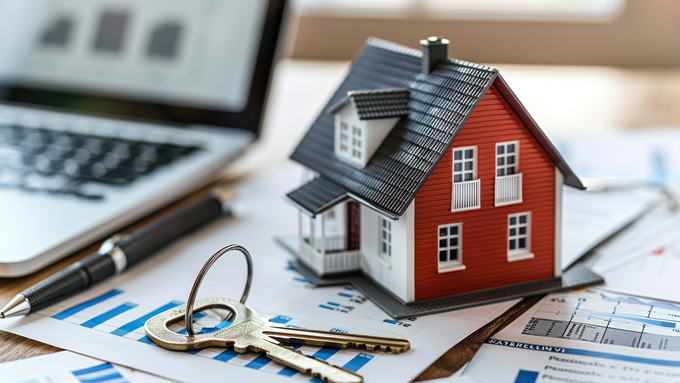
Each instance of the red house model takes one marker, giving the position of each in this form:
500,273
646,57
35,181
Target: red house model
429,177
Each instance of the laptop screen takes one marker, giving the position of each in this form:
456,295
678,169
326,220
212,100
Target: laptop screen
174,61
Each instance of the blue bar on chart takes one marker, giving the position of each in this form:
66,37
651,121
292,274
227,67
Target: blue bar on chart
287,371
392,321
525,376
597,314
145,339
96,321
345,295
82,306
325,353
259,362
226,355
327,307
139,322
99,374
89,370
281,319
357,362
300,280
334,304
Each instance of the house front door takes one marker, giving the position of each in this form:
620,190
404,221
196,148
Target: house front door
353,225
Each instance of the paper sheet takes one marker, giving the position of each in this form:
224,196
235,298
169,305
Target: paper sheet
646,259
107,321
617,157
69,367
457,377
588,218
590,336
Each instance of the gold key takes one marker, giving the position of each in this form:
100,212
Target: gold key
252,332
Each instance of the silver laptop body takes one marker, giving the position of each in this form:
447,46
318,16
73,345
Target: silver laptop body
111,109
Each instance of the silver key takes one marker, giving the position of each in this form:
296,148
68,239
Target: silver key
283,334
252,332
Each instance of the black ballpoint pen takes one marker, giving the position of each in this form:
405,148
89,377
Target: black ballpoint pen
116,255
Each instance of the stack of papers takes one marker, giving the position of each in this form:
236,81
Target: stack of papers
107,321
591,336
629,329
68,367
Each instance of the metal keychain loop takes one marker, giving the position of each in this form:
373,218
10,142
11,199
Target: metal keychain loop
188,316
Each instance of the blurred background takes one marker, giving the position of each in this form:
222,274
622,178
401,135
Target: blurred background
576,64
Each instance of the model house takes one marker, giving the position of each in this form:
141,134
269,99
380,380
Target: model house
429,177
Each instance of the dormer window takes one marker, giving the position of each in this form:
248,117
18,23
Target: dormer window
344,137
356,143
363,119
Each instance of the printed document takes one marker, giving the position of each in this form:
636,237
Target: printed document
107,322
68,367
587,336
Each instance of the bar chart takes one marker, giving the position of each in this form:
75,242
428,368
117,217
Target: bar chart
351,305
103,373
121,314
610,320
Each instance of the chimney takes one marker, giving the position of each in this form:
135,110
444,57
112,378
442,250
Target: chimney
435,49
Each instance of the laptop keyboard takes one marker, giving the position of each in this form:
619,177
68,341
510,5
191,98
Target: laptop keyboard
42,160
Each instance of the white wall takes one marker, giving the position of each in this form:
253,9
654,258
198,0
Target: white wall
376,132
559,185
396,274
336,225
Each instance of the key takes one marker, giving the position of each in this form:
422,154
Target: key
291,335
252,332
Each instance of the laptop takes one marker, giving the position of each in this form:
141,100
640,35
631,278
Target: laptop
110,109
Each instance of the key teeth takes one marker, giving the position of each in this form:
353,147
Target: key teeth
394,349
373,347
325,379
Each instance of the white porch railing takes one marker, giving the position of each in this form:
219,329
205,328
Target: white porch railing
465,195
336,243
509,189
334,262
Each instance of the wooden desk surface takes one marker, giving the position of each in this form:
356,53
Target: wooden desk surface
578,99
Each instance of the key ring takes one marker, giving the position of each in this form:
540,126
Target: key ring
188,316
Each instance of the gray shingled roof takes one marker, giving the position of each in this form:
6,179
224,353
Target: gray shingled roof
317,195
375,103
439,105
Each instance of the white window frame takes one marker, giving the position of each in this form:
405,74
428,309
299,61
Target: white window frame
514,234
445,243
504,156
385,240
462,161
357,143
344,137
